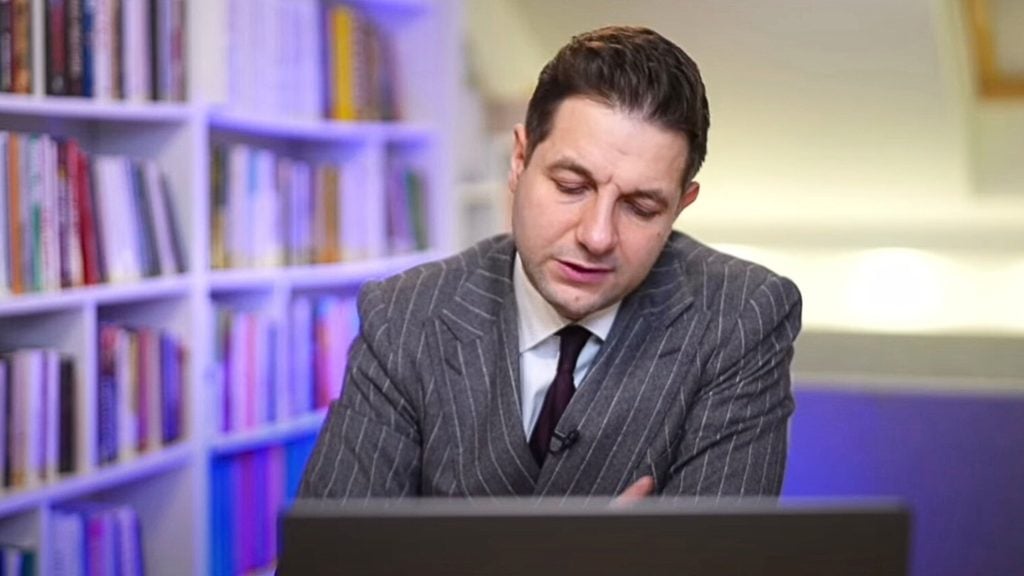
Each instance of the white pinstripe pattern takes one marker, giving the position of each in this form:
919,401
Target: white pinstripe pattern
691,386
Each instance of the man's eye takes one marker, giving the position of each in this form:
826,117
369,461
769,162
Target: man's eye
642,211
566,188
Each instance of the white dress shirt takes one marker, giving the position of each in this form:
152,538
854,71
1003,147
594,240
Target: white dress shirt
538,344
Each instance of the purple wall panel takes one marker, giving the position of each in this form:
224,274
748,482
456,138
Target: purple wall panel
957,459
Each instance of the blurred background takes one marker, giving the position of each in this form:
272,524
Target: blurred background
873,151
234,170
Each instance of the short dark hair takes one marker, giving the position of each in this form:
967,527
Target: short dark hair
632,68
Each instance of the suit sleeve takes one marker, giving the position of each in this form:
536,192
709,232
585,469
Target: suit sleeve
735,436
369,445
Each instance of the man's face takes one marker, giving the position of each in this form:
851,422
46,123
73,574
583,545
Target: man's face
594,206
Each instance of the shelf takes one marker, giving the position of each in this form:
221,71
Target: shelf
272,434
70,298
174,456
318,130
171,488
148,289
314,276
68,107
347,273
416,5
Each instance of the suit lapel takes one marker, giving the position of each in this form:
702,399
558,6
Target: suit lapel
480,367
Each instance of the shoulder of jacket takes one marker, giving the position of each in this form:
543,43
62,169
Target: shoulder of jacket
423,289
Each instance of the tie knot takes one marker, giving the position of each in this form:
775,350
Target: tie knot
573,337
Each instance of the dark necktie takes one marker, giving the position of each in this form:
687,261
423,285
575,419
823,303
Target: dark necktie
572,338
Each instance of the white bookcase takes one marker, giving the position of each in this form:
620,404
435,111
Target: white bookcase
170,488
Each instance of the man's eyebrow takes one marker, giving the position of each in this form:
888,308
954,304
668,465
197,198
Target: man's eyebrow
566,163
571,165
653,195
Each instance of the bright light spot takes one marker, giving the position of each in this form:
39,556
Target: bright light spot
897,289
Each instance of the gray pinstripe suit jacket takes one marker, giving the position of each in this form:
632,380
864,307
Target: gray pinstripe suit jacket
692,386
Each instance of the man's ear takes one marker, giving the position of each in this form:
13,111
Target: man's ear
688,197
517,162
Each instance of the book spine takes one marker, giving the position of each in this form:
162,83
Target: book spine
5,418
116,48
174,225
73,243
50,361
218,209
179,32
74,47
21,46
87,224
68,452
14,212
106,417
172,384
143,216
6,46
102,48
5,275
88,44
56,50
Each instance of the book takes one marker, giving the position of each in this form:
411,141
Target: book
106,397
88,224
143,214
4,419
56,50
75,46
172,361
71,243
341,62
51,415
218,208
6,46
173,224
68,418
21,46
15,231
5,282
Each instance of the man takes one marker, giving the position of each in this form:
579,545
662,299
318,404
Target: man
675,376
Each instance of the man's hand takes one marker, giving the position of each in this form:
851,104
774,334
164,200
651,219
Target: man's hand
636,492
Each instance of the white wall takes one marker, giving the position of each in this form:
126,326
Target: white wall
838,127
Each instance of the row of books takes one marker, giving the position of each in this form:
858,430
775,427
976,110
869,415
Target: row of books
94,539
140,391
68,218
248,490
17,561
249,392
247,388
269,210
38,417
115,49
295,58
407,209
322,331
360,75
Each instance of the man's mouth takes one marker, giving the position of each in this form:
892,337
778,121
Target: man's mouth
578,273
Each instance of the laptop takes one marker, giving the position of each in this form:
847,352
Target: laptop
564,536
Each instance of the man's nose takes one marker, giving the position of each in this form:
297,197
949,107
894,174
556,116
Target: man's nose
596,229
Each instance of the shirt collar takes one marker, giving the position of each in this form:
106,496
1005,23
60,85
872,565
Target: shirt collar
538,320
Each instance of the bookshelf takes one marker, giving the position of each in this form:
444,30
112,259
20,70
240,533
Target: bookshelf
175,489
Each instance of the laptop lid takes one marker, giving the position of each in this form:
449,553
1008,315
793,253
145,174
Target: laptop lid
558,537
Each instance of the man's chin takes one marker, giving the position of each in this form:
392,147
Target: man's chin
575,308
